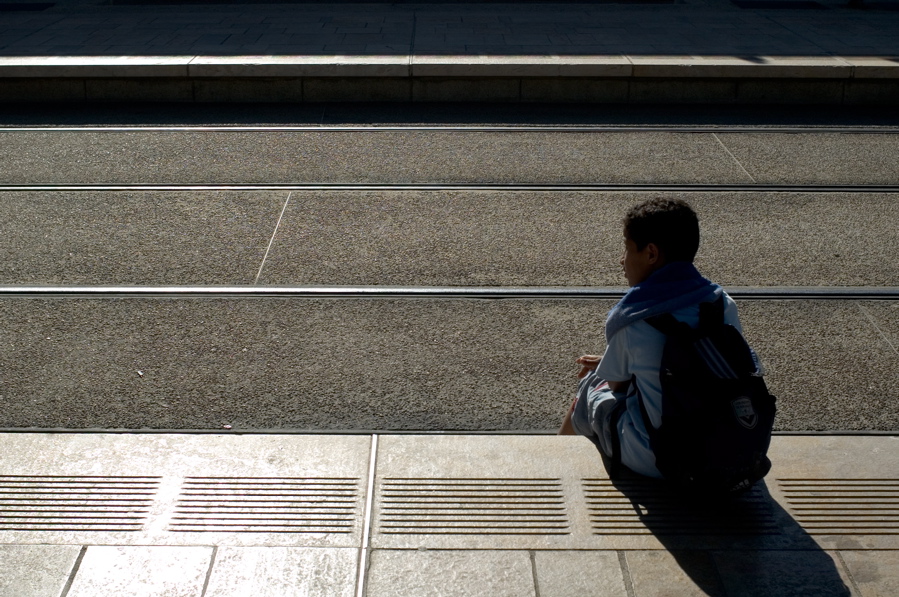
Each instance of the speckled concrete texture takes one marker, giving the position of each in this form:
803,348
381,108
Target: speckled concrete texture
425,156
341,364
826,363
799,239
382,364
223,157
353,157
85,238
440,238
429,238
885,317
574,239
803,158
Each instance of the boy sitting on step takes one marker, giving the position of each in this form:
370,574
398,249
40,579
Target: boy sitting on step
661,237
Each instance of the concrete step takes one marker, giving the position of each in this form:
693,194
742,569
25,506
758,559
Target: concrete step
424,364
428,238
388,157
701,51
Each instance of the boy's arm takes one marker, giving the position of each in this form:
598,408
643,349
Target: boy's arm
589,362
614,367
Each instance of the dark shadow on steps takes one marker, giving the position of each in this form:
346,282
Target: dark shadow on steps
744,546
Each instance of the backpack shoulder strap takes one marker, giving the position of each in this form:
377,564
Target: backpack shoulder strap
665,323
711,314
668,324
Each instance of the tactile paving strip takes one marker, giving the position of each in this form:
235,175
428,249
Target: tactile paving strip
637,507
267,505
844,506
76,503
473,506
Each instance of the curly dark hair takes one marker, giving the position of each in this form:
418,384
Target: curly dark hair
669,223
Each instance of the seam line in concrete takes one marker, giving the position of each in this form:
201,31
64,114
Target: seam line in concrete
74,572
724,147
412,49
844,87
215,550
272,239
688,187
533,556
321,127
877,327
855,589
362,565
626,574
630,80
798,34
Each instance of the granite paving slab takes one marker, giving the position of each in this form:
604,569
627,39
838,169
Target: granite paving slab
805,523
839,491
283,572
142,571
686,573
553,493
576,573
479,493
782,573
875,573
183,490
450,573
35,570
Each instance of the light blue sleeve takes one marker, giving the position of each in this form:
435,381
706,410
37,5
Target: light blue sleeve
616,362
730,313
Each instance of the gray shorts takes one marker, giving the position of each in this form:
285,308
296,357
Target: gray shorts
593,410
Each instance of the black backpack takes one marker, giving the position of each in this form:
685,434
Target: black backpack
717,413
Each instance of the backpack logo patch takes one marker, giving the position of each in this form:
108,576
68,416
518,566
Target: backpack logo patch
746,415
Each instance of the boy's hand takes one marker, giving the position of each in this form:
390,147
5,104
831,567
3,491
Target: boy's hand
588,363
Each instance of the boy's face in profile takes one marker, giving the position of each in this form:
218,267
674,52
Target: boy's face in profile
638,265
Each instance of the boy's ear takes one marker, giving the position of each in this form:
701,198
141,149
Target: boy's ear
653,254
